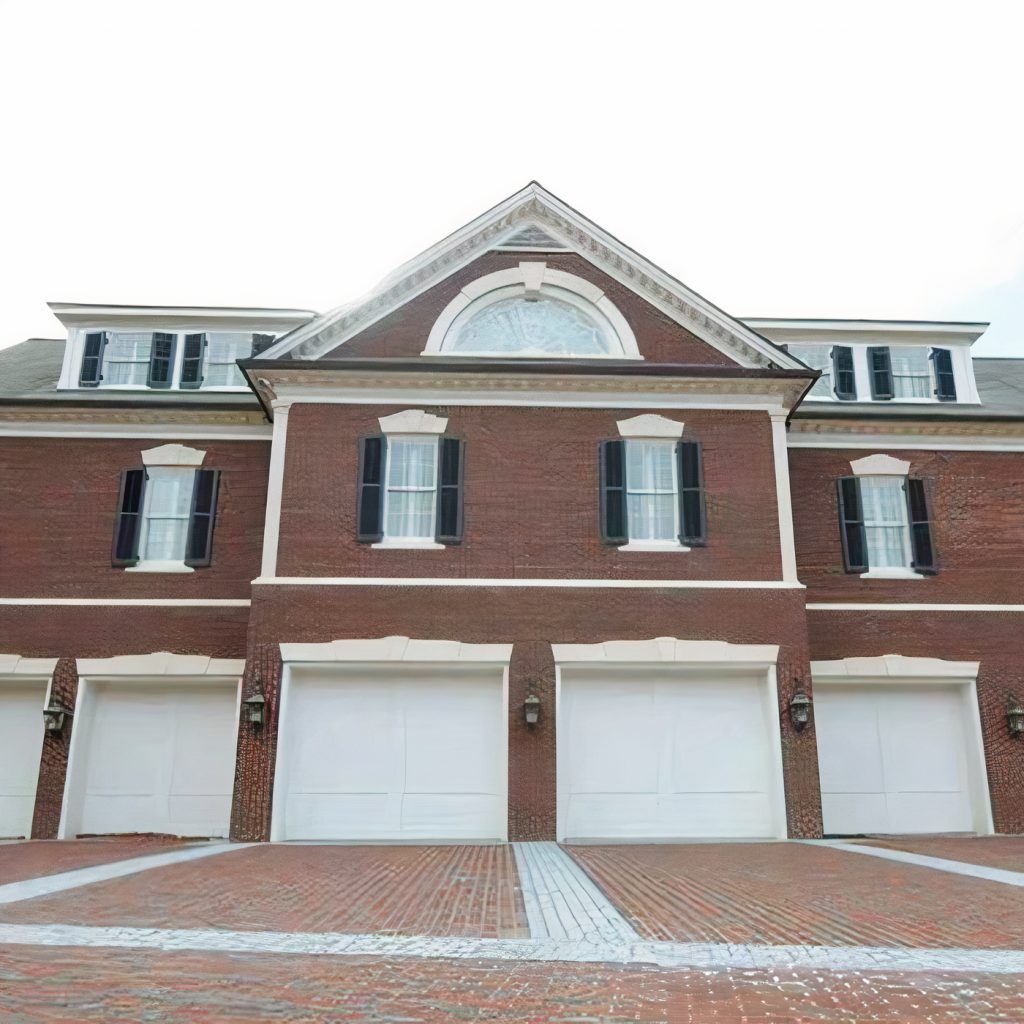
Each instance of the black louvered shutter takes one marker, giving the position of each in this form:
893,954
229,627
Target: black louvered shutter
692,514
192,361
449,490
844,380
199,547
880,371
261,342
92,360
945,381
851,525
372,459
920,526
614,526
125,550
161,360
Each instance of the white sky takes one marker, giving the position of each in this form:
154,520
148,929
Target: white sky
783,159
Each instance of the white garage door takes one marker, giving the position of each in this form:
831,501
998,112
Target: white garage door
155,758
893,759
21,742
415,757
666,758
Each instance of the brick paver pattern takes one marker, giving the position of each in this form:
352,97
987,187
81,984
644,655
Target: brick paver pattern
1004,852
409,890
787,894
120,986
21,861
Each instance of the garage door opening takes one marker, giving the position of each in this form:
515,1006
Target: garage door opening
149,755
21,744
669,752
899,756
392,753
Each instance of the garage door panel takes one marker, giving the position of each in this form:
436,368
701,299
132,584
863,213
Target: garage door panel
609,730
934,765
848,727
852,813
199,746
21,742
918,812
452,815
340,815
666,758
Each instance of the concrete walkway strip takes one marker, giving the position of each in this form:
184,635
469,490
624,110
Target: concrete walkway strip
561,900
15,892
694,955
955,867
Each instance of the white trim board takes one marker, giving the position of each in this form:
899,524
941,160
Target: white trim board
867,606
144,432
697,955
127,602
515,581
922,442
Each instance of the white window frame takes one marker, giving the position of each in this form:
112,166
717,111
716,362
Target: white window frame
76,345
637,544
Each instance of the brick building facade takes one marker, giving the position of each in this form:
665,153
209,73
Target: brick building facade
533,542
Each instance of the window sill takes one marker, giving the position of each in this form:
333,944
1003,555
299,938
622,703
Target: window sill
653,545
409,545
159,567
892,574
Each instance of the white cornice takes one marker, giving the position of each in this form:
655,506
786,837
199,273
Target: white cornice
73,314
946,330
535,205
949,434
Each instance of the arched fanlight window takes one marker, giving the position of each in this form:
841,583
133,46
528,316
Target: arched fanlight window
532,312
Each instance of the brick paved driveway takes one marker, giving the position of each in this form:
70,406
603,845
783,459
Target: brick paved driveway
764,894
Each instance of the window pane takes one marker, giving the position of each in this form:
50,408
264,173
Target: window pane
127,358
817,357
652,516
649,465
412,463
411,515
539,324
885,522
168,505
911,372
222,349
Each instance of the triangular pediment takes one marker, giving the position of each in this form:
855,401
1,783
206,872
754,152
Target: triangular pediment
533,218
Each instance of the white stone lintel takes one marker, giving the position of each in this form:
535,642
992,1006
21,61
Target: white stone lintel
666,649
161,663
892,666
397,648
650,425
16,665
413,421
173,455
880,465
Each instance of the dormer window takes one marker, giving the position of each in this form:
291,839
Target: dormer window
167,359
532,312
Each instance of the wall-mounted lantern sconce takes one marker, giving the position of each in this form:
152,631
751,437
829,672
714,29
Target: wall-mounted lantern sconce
254,705
1015,718
800,710
531,709
54,717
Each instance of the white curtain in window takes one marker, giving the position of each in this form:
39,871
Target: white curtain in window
651,500
222,349
817,357
411,494
126,360
911,372
885,521
168,505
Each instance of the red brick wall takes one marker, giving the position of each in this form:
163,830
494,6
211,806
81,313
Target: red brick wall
532,619
58,510
977,509
531,497
404,333
996,640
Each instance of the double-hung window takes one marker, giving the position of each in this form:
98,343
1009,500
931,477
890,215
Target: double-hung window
652,494
410,490
885,526
817,357
127,358
165,518
911,372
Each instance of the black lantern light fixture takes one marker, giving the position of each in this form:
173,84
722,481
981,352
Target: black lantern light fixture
1015,718
54,717
254,706
800,710
531,709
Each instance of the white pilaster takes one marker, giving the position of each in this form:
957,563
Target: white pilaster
787,541
275,488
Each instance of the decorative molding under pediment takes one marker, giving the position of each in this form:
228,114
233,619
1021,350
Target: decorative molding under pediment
650,425
413,421
397,648
173,455
880,465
